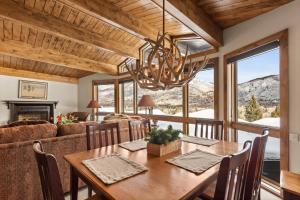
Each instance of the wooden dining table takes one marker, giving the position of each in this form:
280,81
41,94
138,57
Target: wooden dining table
162,180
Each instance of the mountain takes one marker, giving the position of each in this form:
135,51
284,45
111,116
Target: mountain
265,89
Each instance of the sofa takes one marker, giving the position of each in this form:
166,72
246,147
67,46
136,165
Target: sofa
18,168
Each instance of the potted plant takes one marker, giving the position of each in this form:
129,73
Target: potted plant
162,142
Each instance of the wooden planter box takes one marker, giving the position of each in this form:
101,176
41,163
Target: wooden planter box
160,150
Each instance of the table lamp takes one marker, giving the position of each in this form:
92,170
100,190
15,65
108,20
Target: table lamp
148,103
93,104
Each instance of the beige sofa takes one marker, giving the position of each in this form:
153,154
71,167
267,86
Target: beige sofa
18,169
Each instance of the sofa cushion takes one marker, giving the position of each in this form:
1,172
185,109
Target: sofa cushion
72,129
27,132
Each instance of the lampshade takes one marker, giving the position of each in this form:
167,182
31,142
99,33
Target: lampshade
146,101
94,104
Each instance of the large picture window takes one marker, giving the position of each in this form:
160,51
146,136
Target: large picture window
106,97
256,96
168,102
127,94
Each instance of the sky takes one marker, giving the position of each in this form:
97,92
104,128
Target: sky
258,66
251,68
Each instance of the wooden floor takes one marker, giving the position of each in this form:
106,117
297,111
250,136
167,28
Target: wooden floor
264,195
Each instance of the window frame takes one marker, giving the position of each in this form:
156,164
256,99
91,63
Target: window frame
230,99
121,92
95,94
182,119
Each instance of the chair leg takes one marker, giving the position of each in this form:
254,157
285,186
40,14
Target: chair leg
90,191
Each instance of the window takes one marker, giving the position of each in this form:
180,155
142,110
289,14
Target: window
256,96
127,96
201,96
168,102
258,102
106,97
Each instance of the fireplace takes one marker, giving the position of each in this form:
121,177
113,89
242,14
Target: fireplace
31,110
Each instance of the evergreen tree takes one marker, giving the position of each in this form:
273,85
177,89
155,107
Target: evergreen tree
276,112
253,111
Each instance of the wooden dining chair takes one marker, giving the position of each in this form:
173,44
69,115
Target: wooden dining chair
138,129
97,136
210,129
230,183
255,167
232,174
49,174
101,135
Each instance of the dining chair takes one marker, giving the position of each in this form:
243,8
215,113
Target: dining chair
231,178
49,174
101,135
138,129
254,170
210,129
232,174
255,167
97,136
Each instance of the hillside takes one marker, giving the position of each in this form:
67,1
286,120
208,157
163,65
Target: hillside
265,89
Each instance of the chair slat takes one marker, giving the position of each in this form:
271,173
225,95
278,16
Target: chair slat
231,175
209,129
138,129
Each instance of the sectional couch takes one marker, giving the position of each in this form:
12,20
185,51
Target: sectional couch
19,178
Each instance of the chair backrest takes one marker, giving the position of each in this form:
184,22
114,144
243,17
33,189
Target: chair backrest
138,129
98,135
210,129
230,182
49,174
255,166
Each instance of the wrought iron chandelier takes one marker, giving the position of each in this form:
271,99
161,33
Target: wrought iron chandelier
161,65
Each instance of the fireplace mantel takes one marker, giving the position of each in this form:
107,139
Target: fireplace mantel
11,102
31,110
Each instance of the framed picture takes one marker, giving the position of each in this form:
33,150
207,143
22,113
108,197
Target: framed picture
33,90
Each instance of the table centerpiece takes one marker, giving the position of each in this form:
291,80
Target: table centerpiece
162,142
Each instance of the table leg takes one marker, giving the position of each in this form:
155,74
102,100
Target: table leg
73,184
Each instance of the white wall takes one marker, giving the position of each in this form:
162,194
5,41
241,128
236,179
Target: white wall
287,16
66,94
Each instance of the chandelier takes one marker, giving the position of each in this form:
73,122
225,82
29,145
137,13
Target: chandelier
161,65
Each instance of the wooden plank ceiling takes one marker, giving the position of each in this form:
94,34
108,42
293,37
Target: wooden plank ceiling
227,13
69,39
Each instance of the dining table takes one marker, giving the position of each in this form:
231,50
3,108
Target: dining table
162,180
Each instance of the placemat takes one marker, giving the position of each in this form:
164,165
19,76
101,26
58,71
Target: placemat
196,161
113,168
134,145
198,140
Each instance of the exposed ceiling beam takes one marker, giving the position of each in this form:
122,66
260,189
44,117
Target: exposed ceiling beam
26,51
13,11
36,75
191,15
113,15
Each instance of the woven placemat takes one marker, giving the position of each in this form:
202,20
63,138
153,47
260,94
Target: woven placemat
134,145
200,141
113,168
196,161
